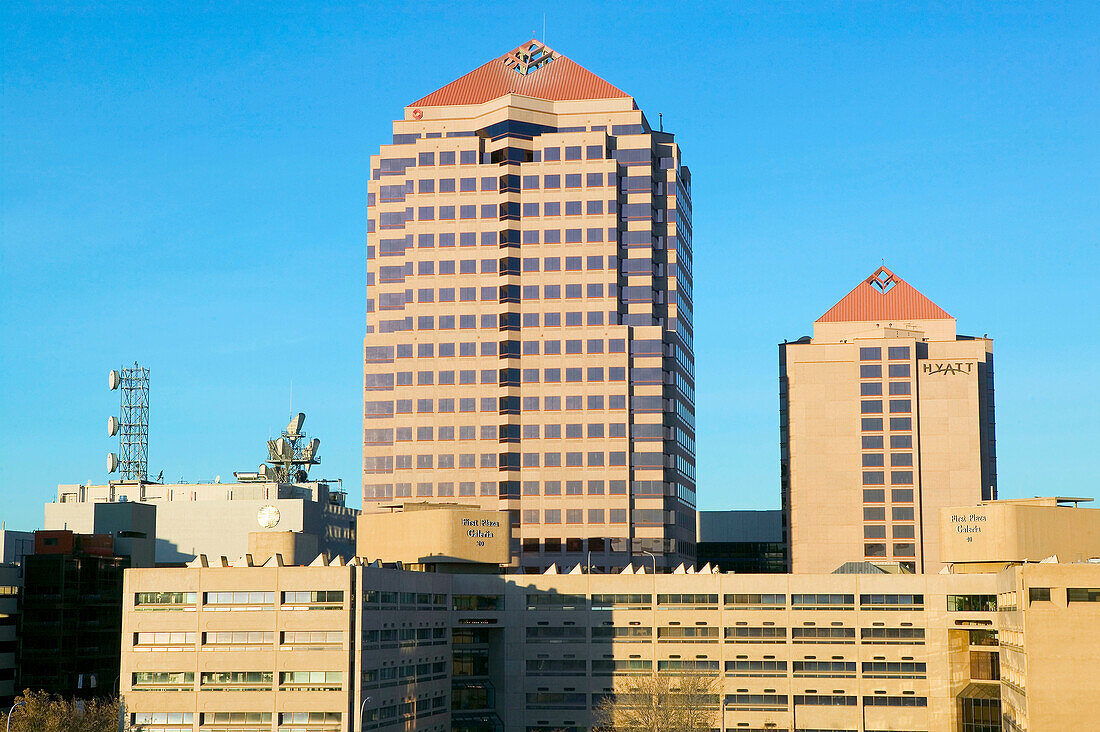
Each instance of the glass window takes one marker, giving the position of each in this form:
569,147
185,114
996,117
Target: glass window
874,550
900,442
870,354
898,353
899,370
901,495
870,371
1083,594
871,388
871,424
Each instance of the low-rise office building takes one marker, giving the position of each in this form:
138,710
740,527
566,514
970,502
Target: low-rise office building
745,542
216,518
11,587
382,647
71,614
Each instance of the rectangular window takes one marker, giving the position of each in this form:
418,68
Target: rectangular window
1083,594
870,354
870,371
900,388
898,353
972,603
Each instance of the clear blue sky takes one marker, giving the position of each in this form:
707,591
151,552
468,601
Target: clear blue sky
185,186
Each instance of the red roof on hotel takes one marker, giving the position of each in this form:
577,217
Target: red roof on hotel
532,70
883,296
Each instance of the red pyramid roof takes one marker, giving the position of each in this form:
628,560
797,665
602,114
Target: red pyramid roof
531,70
883,296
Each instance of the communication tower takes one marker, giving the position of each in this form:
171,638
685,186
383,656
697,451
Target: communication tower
290,457
132,423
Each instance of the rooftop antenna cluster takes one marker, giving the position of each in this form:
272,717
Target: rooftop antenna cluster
132,423
290,456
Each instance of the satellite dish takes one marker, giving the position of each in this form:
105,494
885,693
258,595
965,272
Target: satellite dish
295,426
112,462
268,517
113,380
112,426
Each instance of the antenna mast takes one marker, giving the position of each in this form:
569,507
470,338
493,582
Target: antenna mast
132,424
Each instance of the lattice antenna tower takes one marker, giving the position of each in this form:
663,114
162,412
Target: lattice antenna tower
132,423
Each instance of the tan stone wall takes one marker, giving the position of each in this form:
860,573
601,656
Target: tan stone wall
878,446
1008,531
436,535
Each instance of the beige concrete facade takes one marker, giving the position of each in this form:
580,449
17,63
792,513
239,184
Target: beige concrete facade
529,326
1048,616
883,423
427,533
1015,531
216,518
536,652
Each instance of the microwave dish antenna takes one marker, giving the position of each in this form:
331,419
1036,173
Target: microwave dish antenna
290,456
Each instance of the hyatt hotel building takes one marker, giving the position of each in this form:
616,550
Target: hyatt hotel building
529,317
886,417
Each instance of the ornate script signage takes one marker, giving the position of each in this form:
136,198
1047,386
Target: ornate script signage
968,524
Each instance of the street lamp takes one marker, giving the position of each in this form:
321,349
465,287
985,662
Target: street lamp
362,707
12,711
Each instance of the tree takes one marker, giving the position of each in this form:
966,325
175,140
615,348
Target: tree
50,713
660,703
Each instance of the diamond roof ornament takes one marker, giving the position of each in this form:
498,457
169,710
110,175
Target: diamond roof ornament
529,57
882,280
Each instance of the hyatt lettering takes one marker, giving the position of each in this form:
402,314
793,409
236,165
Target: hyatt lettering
948,368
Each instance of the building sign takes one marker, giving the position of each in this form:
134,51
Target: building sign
957,367
968,524
480,529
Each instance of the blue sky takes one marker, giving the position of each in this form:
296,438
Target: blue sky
184,185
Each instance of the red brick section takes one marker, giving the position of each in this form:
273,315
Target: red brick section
868,302
558,80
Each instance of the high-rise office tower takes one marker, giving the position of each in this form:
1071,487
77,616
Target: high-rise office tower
529,322
886,416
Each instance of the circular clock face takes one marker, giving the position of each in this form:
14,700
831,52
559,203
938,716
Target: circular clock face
268,517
